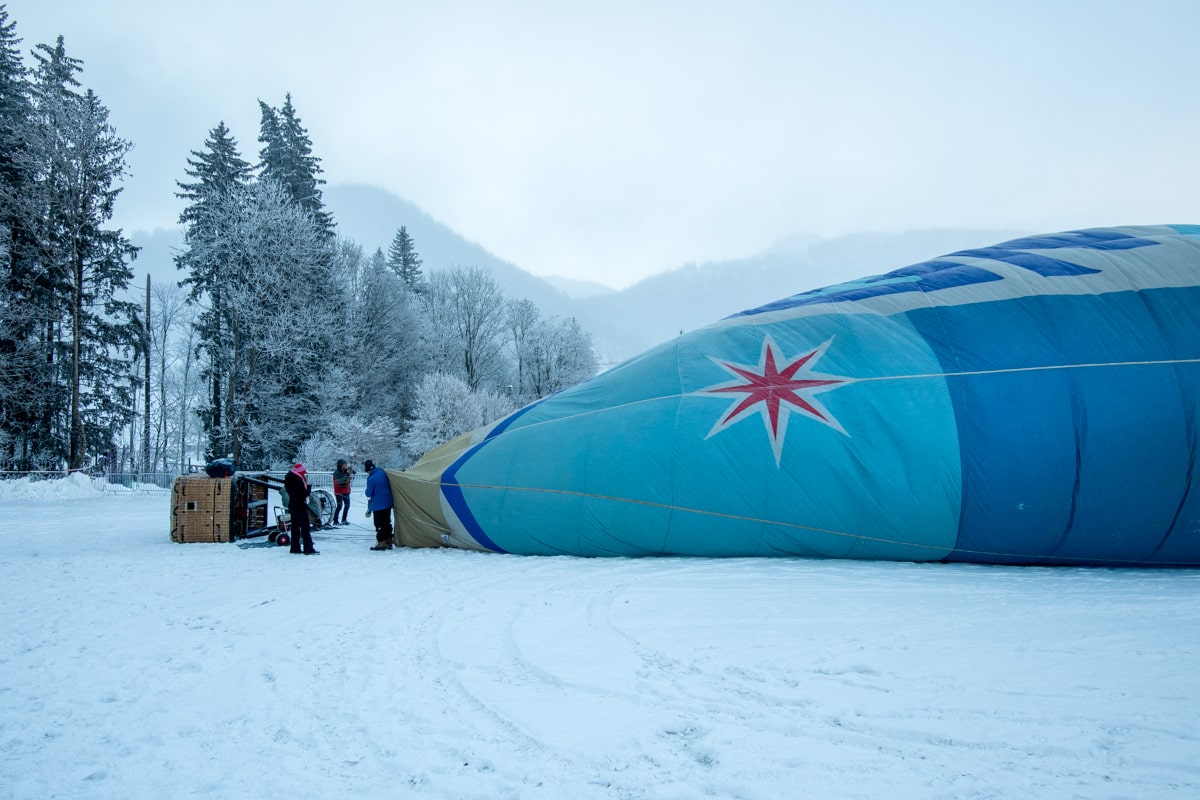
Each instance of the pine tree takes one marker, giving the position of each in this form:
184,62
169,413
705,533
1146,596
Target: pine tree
80,161
287,158
392,322
39,275
16,112
218,172
24,387
404,261
281,301
220,181
261,253
285,333
100,269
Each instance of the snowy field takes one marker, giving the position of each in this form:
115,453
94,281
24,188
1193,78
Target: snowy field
132,667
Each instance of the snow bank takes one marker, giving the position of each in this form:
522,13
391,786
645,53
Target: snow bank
74,485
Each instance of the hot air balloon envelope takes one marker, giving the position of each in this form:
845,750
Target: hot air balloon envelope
1034,402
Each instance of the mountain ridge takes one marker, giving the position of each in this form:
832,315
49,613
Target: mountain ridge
627,321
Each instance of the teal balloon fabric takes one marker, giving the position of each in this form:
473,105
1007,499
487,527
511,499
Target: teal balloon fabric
1034,402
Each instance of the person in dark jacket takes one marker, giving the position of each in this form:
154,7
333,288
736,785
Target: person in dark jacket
342,476
295,483
379,504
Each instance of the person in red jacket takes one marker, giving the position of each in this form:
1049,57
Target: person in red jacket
295,483
342,477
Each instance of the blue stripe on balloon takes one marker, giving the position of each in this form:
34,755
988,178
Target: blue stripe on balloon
946,273
458,502
513,417
454,493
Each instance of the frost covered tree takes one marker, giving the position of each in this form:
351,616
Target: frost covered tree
387,347
466,310
274,288
446,407
355,439
282,305
287,158
493,405
558,354
101,325
167,307
281,333
521,317
220,182
354,265
177,388
185,390
548,354
404,261
76,162
27,389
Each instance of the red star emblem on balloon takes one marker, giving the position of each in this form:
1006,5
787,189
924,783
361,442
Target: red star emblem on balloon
775,388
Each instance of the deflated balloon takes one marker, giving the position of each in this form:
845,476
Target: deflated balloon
1034,402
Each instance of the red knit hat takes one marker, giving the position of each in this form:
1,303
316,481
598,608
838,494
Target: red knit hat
299,469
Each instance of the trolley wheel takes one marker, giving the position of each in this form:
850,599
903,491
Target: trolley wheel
325,501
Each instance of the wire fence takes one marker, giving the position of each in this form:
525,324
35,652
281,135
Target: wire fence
135,482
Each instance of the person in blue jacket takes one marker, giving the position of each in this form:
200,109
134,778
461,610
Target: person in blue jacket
379,504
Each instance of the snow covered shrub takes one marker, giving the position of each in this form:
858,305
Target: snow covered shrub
445,408
493,406
354,439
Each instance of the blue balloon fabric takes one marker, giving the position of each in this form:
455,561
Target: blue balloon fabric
1035,402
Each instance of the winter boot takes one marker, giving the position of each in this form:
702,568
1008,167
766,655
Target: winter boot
380,545
390,542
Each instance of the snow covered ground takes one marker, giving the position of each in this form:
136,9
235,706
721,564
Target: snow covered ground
132,667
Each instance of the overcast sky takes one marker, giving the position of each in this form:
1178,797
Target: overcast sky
611,140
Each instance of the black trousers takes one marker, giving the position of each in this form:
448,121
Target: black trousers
301,527
383,524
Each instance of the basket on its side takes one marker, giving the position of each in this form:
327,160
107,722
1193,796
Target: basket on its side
201,509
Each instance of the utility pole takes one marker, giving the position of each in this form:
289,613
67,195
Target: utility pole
146,353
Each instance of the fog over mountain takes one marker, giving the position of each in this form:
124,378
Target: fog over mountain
622,323
577,290
661,307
